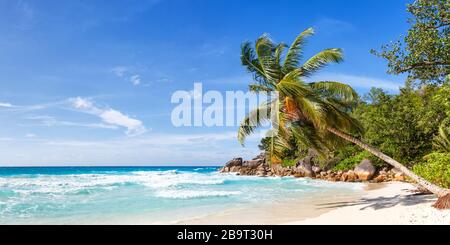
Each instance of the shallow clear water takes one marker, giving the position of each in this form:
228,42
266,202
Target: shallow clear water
71,195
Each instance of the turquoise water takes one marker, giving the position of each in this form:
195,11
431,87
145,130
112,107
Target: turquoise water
72,195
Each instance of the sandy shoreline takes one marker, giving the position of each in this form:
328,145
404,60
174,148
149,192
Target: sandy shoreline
372,204
394,203
384,203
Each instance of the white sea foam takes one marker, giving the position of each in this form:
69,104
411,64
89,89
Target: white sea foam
327,184
188,194
167,179
30,196
76,182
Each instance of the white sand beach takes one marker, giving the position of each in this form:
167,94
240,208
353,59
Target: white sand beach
394,203
380,203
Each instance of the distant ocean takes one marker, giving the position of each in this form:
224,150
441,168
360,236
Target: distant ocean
151,195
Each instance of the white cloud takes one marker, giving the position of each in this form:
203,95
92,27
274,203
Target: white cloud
358,81
128,74
3,104
81,103
119,70
149,149
51,121
113,117
161,140
30,135
110,116
135,79
25,108
135,74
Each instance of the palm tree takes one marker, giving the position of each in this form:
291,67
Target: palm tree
442,141
315,114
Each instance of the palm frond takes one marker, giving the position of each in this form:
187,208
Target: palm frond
279,52
294,53
336,90
255,119
442,141
312,111
341,120
343,105
259,88
265,51
321,59
251,63
306,136
292,88
279,144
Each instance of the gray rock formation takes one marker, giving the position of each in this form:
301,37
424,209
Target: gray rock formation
304,167
258,166
365,170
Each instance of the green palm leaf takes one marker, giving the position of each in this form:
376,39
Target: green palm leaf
265,51
255,119
249,60
305,110
259,88
442,141
320,60
295,52
336,90
293,89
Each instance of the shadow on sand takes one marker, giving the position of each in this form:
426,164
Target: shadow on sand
382,202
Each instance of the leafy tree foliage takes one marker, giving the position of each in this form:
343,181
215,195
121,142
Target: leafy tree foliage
424,53
402,125
436,168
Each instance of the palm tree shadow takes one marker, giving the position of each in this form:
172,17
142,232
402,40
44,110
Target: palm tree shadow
382,202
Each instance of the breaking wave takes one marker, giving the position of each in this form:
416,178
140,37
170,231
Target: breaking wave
188,194
113,191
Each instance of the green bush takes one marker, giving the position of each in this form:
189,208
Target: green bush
436,169
350,162
288,162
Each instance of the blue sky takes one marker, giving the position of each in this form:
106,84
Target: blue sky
90,82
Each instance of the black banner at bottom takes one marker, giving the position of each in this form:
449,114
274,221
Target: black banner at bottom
200,234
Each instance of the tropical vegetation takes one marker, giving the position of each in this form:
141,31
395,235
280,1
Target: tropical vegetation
330,117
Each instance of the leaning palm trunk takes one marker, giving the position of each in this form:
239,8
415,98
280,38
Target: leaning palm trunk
310,105
443,194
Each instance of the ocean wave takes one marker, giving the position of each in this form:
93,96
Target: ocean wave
315,183
82,184
205,168
79,183
46,195
190,194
